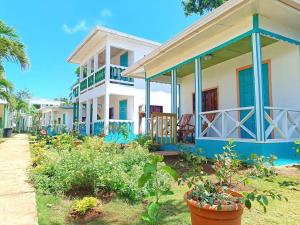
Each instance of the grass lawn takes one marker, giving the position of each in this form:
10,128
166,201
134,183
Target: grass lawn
53,210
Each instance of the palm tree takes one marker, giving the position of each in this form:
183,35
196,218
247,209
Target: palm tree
11,48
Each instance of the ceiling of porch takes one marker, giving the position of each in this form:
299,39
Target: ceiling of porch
229,52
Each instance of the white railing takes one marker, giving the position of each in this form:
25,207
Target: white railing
228,123
282,123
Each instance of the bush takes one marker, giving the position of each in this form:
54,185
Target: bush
91,167
84,205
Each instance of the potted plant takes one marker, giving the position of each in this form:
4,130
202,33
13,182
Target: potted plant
216,201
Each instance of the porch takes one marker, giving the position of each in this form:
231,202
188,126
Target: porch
108,114
239,89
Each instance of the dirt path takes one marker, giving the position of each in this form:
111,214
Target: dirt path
17,197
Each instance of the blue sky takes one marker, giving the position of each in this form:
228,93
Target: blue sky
51,30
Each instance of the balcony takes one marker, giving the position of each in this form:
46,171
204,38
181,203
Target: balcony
98,78
116,77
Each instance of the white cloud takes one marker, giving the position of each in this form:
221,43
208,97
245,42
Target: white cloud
106,13
81,26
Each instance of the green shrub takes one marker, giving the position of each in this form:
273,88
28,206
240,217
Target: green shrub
84,205
90,167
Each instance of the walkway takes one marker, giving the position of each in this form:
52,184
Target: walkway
17,197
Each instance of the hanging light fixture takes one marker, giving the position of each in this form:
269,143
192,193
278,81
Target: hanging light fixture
207,57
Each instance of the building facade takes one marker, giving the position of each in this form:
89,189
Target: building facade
104,100
239,74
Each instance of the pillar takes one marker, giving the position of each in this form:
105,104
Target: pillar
258,86
106,113
88,117
173,92
95,111
198,97
147,107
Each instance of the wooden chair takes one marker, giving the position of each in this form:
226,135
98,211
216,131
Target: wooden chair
185,128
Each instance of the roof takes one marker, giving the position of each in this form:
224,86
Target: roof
103,32
49,108
229,8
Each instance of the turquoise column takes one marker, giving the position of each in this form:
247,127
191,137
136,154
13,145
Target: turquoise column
258,81
173,92
147,106
198,97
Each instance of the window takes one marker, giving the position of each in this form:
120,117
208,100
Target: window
64,119
209,100
156,108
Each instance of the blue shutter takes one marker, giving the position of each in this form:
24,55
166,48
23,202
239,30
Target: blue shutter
123,110
124,59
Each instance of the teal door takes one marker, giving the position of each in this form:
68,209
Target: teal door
123,110
247,96
124,59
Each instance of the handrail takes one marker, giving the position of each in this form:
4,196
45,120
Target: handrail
224,124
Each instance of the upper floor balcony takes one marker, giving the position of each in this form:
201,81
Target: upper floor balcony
106,66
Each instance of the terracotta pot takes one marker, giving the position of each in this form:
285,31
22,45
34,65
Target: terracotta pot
209,215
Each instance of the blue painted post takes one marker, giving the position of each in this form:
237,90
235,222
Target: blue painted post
198,97
147,106
258,86
173,92
179,100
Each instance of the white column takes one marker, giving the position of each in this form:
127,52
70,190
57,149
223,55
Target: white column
80,112
106,112
107,62
96,62
173,92
198,97
51,118
89,65
81,72
147,106
88,116
258,86
95,110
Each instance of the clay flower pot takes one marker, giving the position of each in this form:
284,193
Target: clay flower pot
210,215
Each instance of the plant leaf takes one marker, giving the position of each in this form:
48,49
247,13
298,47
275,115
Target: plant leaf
153,210
248,203
143,180
171,172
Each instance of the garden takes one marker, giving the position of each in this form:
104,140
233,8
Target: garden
87,181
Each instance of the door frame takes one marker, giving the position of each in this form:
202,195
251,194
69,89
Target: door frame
268,62
203,90
120,108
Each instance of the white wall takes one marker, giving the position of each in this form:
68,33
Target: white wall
285,78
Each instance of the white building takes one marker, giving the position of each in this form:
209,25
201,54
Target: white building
38,103
103,99
239,72
57,118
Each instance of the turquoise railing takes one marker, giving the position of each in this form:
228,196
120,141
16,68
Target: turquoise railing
99,127
100,75
75,92
91,80
83,85
116,126
82,129
115,74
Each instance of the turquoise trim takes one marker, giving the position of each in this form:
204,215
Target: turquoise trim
99,127
284,151
234,40
279,37
255,20
123,110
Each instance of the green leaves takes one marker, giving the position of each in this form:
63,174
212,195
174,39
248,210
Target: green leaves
170,171
144,179
151,216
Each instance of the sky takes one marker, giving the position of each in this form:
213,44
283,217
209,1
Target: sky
52,29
